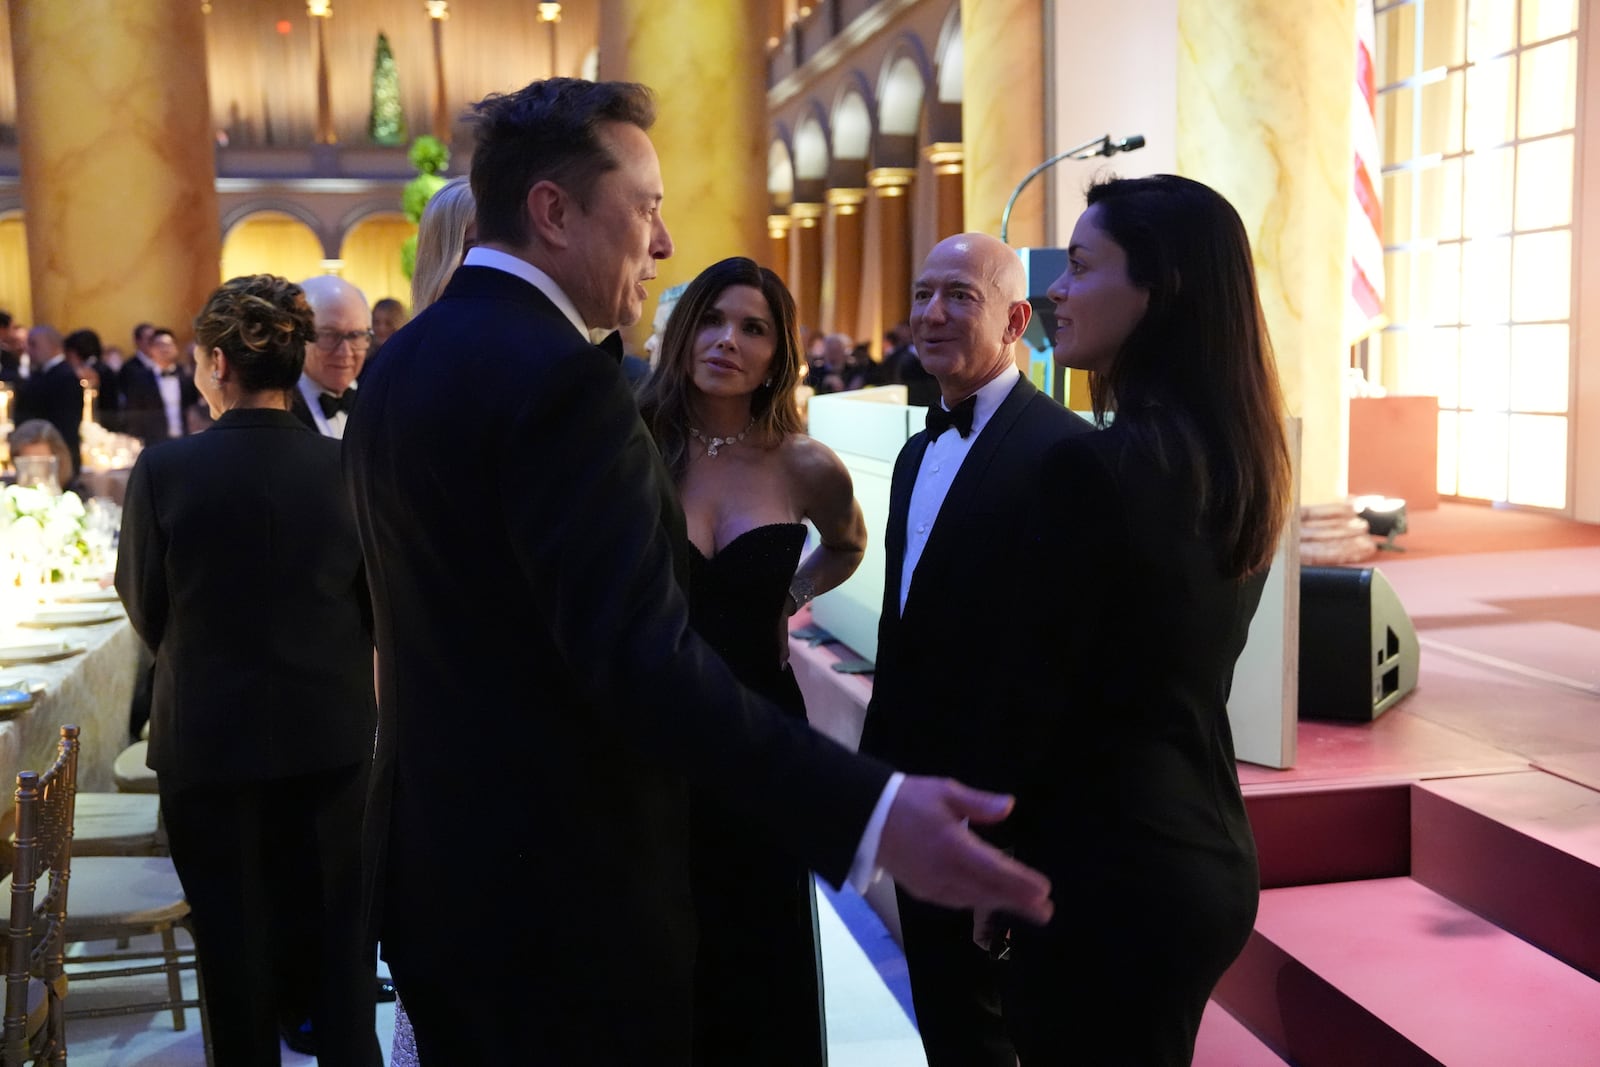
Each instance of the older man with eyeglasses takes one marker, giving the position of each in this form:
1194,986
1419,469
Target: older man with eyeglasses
333,361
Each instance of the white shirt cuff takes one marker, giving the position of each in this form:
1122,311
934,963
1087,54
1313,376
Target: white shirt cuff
865,870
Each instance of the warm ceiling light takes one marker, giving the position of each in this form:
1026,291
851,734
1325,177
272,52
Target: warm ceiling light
438,10
549,12
319,9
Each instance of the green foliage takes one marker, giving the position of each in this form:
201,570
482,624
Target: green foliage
387,123
417,193
429,155
408,257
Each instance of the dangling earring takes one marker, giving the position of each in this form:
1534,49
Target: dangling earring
216,379
767,384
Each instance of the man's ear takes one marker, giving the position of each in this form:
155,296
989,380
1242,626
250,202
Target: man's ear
1017,320
549,210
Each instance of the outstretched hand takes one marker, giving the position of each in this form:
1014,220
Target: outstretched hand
928,850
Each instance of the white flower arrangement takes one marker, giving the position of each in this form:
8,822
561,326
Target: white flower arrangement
44,528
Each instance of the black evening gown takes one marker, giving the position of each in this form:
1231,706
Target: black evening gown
758,989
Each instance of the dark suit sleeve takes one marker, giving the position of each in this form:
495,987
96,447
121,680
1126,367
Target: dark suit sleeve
586,511
141,554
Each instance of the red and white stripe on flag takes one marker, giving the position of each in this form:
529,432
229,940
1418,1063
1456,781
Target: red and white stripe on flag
1364,295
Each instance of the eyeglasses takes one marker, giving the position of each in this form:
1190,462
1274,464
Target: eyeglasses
330,340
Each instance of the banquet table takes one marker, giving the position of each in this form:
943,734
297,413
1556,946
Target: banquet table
91,689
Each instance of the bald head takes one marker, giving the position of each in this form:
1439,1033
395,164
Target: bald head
969,305
344,332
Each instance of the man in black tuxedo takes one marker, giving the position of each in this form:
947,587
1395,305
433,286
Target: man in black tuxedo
960,544
52,392
334,361
156,391
543,702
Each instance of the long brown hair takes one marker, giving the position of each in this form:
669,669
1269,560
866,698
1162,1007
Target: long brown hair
1196,380
666,399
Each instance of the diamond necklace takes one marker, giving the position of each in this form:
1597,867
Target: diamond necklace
714,443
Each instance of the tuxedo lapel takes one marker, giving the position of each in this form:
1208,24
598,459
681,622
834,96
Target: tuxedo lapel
894,537
967,490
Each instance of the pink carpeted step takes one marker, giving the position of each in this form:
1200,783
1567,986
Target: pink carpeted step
1389,972
1224,1041
1522,850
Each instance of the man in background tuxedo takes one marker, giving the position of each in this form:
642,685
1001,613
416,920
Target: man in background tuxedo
543,702
155,391
52,392
334,360
960,546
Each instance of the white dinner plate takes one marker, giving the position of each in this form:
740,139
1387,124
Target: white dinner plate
42,652
88,615
22,682
82,594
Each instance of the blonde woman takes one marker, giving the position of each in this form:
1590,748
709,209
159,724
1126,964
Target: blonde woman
449,227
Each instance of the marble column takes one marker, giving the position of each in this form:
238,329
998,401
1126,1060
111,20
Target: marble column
948,162
321,11
1002,115
118,171
891,187
805,264
778,245
1246,67
841,256
705,65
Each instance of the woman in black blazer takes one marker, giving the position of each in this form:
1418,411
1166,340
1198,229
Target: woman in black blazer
1166,520
240,568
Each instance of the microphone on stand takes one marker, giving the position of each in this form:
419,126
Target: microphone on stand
1105,145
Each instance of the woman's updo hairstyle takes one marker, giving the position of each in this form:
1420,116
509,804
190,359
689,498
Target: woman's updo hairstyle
262,323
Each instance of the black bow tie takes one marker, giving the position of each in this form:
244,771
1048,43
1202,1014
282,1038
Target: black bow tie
332,405
168,372
940,420
611,345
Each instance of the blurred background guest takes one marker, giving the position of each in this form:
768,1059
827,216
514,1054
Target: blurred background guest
240,568
720,404
39,439
155,390
51,391
448,228
388,315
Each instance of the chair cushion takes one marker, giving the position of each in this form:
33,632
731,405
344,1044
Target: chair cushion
117,891
116,824
129,770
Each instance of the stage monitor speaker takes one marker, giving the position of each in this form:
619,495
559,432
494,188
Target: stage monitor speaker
1358,649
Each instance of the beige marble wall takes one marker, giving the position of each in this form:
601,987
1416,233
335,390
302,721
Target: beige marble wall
118,176
704,63
1263,117
1002,115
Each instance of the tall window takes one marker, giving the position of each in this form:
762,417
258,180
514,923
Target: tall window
1477,105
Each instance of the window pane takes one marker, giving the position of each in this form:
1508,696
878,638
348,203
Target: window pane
1397,285
1548,18
1491,27
1489,101
1394,117
1397,206
1485,368
1394,347
1444,34
1486,281
1541,272
1447,453
1488,192
1482,455
1548,101
1538,461
1544,183
1439,200
1396,43
1440,124
1438,366
1439,285
1540,368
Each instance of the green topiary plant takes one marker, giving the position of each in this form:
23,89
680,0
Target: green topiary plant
430,157
387,123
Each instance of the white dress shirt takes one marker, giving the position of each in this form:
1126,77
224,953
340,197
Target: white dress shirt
171,394
864,869
327,427
940,464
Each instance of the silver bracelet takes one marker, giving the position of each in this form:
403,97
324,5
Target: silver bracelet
802,591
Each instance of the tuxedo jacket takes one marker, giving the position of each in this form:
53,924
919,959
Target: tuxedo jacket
543,701
142,412
240,568
948,693
56,396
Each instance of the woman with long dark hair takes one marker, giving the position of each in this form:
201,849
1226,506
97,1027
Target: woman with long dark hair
721,406
1166,521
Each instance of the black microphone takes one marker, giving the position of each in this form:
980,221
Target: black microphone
1123,144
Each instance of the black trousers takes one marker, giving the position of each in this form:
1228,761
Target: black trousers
272,871
953,988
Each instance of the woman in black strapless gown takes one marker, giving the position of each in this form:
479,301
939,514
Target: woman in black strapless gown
720,403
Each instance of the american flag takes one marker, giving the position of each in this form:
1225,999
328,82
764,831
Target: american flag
1364,297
